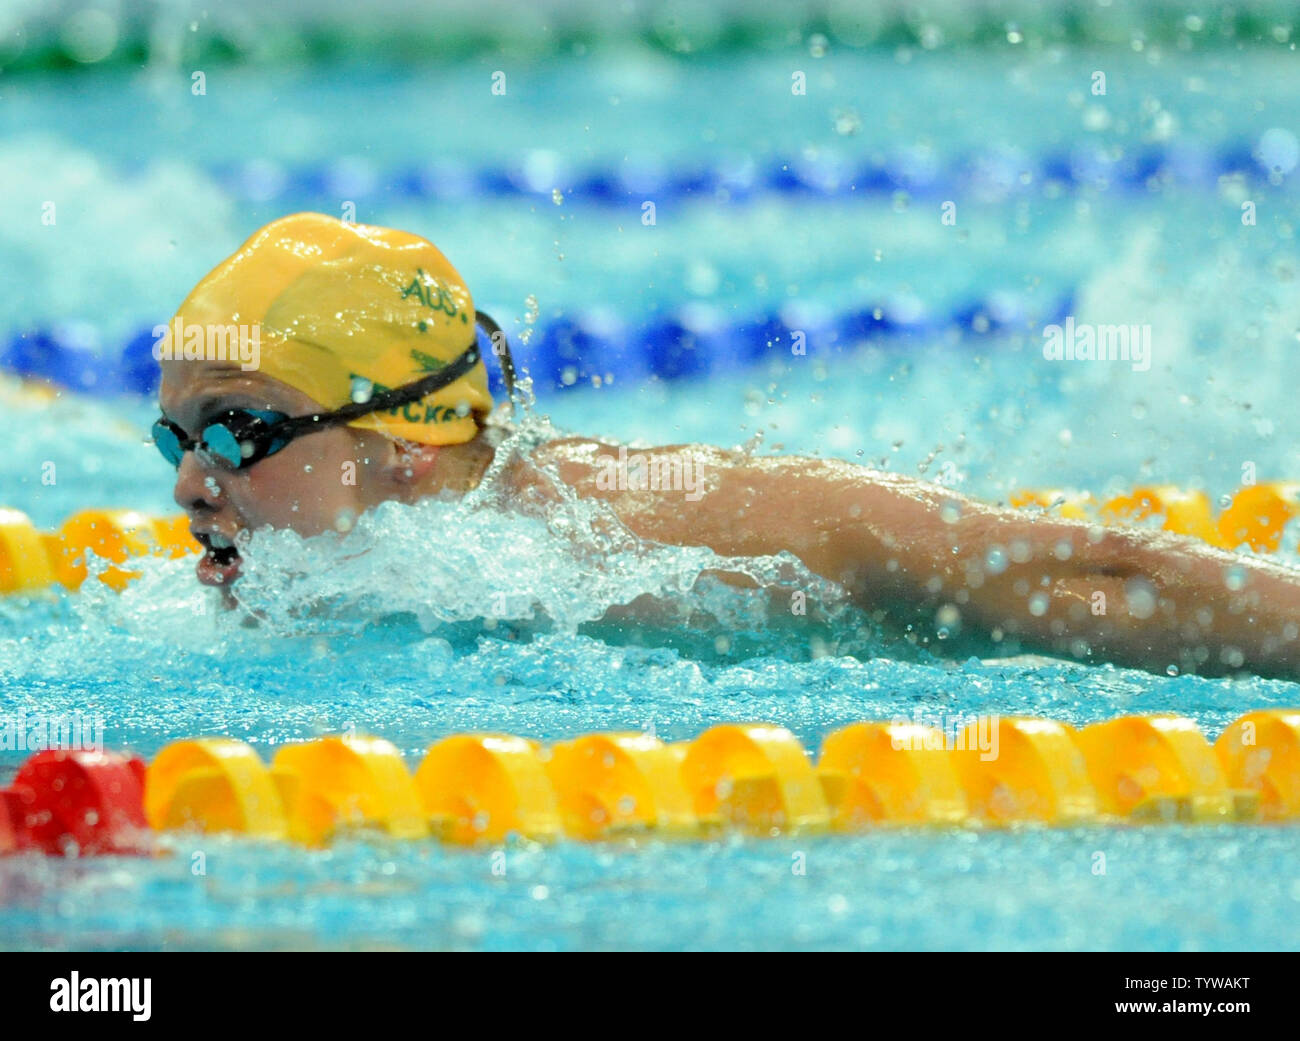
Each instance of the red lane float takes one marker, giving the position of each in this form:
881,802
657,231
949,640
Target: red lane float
74,802
8,838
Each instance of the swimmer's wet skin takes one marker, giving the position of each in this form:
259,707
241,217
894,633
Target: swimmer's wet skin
349,312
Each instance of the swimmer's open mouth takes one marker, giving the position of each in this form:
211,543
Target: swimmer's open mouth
220,563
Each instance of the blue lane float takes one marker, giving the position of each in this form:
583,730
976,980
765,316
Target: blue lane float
597,346
987,175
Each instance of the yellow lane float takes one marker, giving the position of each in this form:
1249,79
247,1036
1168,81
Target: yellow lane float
756,777
611,783
344,783
32,560
1016,769
1183,512
485,787
890,773
114,535
1258,514
213,784
1068,504
1157,767
1261,752
24,562
173,538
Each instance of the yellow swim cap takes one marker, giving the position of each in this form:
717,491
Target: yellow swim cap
339,304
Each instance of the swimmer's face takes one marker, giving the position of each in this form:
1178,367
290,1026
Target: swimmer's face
302,486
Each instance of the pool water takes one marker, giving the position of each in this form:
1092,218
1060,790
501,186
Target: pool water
385,631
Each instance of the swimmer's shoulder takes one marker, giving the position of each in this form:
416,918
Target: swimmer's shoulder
530,474
580,450
574,461
577,459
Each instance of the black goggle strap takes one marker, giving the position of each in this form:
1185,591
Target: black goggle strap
383,401
400,396
500,348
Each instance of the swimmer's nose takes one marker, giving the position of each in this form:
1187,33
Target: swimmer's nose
197,489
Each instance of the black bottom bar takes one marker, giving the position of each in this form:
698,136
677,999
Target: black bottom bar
336,990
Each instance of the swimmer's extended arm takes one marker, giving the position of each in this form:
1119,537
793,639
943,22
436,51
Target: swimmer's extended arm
930,558
1134,597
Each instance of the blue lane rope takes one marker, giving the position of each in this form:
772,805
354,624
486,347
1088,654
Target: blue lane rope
988,175
574,350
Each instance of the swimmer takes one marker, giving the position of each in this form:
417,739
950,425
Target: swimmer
368,365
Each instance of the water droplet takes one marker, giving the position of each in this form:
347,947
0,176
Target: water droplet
362,389
1038,604
1096,118
1141,597
995,561
847,122
557,196
947,620
950,511
1235,577
1232,657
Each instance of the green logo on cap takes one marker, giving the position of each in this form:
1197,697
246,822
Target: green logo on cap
427,362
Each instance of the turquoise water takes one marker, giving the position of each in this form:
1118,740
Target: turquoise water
386,632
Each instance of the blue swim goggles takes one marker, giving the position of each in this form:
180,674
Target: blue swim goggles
243,437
